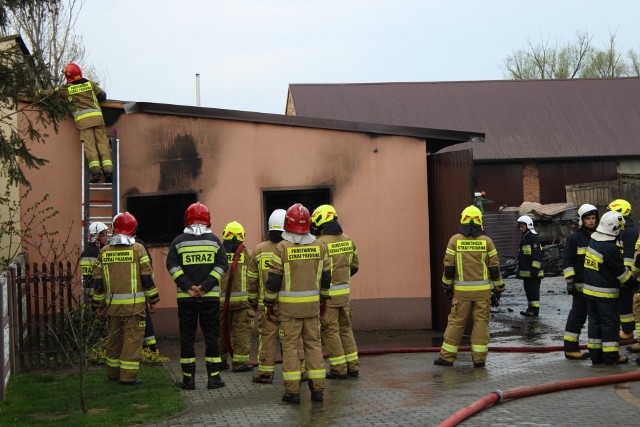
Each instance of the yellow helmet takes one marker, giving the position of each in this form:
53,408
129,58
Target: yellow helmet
469,214
233,229
622,206
322,214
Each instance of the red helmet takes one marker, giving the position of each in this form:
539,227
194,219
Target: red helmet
297,220
72,72
125,223
197,213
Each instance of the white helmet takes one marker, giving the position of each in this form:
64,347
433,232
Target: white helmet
586,210
611,223
526,220
276,220
95,228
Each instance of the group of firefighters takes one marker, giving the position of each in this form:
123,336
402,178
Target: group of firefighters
296,282
601,267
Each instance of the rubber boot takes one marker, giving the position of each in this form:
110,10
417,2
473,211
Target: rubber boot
531,312
316,395
188,376
263,378
108,177
635,348
626,335
291,397
94,176
213,375
441,362
576,355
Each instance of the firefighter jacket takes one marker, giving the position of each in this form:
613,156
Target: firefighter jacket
604,269
343,258
472,267
628,237
529,256
197,260
574,252
239,296
258,271
84,95
88,261
299,277
123,280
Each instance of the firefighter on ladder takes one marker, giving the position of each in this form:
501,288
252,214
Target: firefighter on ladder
298,283
87,115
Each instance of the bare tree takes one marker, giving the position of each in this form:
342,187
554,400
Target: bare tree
579,59
48,28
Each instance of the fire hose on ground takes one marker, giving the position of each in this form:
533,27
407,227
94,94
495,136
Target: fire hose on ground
513,393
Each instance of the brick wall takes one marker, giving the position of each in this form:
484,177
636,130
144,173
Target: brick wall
531,183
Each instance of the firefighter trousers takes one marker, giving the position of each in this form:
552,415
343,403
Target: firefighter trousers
96,148
292,332
575,321
532,291
149,332
338,339
636,314
124,347
625,305
460,312
207,313
603,329
268,345
240,327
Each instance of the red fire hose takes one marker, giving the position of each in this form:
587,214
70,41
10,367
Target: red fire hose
514,393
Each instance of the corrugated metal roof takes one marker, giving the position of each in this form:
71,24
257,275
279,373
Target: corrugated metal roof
522,119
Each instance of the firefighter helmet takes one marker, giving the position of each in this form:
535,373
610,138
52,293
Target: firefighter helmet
622,206
471,214
125,224
297,220
611,223
197,213
233,230
72,72
276,220
322,214
526,220
586,210
95,228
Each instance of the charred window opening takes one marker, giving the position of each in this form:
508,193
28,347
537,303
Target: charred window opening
283,199
160,217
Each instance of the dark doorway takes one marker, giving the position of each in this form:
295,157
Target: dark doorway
161,217
283,199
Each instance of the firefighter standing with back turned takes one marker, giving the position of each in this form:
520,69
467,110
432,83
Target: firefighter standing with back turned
337,335
530,265
123,284
471,270
299,282
196,262
573,269
257,276
87,115
604,274
627,239
236,313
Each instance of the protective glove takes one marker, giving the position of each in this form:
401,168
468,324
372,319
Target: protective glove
448,292
270,313
571,287
323,308
495,299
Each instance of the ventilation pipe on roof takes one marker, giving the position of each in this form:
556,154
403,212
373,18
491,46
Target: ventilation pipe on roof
197,89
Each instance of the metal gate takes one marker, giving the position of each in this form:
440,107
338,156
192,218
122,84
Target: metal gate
450,191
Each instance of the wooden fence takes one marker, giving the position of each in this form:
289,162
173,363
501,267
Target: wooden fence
602,193
40,298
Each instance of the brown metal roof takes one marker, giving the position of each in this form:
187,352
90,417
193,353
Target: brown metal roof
436,138
522,119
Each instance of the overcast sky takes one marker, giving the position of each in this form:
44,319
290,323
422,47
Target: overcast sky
247,52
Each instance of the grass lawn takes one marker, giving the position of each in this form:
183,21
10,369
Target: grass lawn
53,399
